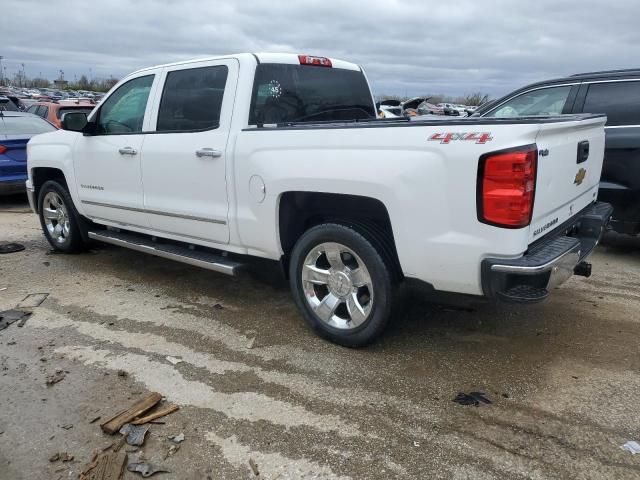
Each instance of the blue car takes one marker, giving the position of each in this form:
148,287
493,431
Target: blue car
16,128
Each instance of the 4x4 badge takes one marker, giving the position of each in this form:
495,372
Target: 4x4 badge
580,176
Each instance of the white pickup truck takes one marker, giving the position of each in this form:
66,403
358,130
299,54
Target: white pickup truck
281,156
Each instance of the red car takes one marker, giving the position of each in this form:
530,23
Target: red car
55,111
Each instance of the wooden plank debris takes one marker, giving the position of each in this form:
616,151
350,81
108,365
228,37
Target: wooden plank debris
115,423
157,414
105,466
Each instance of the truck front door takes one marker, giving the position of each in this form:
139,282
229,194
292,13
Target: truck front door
107,162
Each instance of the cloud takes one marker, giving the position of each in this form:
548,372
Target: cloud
407,47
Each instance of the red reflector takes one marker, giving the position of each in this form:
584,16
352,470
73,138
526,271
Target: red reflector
3,149
507,183
317,61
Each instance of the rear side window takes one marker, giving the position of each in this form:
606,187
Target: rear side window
192,99
619,100
305,93
26,125
43,111
545,101
7,105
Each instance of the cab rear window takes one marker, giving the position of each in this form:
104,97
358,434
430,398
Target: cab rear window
284,93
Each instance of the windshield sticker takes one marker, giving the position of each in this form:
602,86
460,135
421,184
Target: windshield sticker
274,89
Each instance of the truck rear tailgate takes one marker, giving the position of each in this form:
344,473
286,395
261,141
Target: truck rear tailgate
570,158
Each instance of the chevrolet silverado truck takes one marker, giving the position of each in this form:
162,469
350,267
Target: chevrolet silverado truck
280,156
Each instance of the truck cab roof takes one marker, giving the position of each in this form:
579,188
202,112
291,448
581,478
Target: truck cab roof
253,58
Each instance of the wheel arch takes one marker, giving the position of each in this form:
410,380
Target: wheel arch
300,210
40,175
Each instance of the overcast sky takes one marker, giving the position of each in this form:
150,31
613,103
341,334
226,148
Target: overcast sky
407,47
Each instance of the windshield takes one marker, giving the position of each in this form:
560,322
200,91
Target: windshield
545,101
304,93
27,125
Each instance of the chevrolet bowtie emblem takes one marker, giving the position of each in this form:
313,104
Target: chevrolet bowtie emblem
580,176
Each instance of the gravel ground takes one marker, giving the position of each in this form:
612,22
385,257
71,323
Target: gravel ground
255,384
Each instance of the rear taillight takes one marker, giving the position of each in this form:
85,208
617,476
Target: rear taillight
506,187
3,149
317,61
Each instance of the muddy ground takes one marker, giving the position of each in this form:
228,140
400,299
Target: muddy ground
255,383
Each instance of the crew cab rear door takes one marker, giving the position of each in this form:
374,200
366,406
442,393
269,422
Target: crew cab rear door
184,159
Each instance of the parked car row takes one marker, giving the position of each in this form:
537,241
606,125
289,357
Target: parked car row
23,98
420,106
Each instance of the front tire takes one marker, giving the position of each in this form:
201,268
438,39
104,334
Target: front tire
341,284
59,218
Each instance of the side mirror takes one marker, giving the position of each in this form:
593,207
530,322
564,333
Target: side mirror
74,121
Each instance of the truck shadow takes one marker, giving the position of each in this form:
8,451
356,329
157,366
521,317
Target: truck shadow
617,244
14,203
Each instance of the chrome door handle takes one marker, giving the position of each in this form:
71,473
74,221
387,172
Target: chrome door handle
208,152
128,151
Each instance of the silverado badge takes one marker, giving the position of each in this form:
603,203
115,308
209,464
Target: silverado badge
580,176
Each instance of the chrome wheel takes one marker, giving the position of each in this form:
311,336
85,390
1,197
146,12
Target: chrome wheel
337,285
56,217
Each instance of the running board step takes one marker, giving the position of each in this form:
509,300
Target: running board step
198,258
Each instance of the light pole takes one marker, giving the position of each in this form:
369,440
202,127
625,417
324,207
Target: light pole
23,78
1,71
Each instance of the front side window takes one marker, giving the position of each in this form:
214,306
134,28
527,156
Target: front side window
123,111
192,99
545,101
304,93
619,100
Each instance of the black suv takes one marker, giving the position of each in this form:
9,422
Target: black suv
614,92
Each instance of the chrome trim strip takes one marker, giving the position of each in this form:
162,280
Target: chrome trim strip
611,80
533,270
216,267
152,231
156,212
621,126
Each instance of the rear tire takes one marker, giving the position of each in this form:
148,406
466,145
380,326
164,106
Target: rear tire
341,284
59,218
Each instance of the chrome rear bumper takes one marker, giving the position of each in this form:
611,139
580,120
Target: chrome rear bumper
549,262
